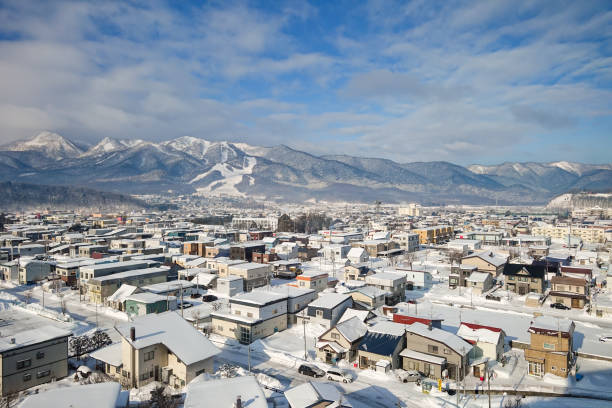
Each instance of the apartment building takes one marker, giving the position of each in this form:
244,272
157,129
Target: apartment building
297,300
551,346
99,289
251,316
98,270
591,234
434,235
254,275
407,241
33,357
316,280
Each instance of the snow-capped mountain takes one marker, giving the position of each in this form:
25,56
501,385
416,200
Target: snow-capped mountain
193,165
51,144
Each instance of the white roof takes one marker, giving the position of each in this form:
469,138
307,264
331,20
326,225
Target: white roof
350,313
480,335
312,273
129,274
224,393
552,323
259,297
33,336
451,340
489,256
102,395
310,393
387,327
415,355
163,287
171,330
109,354
355,252
291,291
204,278
329,300
123,292
248,266
352,329
479,277
148,297
382,278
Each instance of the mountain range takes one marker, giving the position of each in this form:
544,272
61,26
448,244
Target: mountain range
193,165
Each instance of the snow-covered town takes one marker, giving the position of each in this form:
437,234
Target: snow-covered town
360,306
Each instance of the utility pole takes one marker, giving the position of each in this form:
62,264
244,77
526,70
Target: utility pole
488,374
304,319
182,304
249,348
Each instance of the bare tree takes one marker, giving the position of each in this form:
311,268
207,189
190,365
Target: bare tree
409,258
455,257
162,399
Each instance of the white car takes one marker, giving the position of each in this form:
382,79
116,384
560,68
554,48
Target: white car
408,376
337,374
606,338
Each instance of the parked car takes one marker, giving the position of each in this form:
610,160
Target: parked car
209,298
337,374
559,306
311,371
606,338
184,305
408,376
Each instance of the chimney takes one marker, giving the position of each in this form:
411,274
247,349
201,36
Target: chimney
429,326
238,403
132,333
12,340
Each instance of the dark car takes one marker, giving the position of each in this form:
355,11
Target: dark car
311,371
184,305
209,298
559,306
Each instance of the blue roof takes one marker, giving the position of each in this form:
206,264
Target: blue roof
380,343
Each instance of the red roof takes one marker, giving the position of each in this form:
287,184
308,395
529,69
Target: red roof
475,326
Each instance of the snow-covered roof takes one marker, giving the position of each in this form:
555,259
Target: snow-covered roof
478,277
335,346
451,340
129,274
551,324
481,335
356,252
489,256
383,278
148,297
291,291
224,393
350,313
171,330
169,286
123,292
329,300
415,355
310,393
371,291
352,329
33,336
101,395
109,354
258,297
387,327
204,278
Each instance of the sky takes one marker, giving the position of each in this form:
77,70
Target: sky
466,82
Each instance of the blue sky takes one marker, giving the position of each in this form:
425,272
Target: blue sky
468,82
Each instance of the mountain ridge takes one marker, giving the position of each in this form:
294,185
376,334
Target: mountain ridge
193,165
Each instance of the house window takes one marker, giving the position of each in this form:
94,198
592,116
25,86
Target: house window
237,312
220,328
149,355
534,280
249,314
335,336
548,346
40,355
510,277
319,313
27,377
553,368
275,311
117,370
24,364
42,374
446,351
432,349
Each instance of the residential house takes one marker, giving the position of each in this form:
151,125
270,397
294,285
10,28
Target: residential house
524,279
551,346
144,303
235,392
381,344
486,261
33,271
297,300
230,285
158,347
487,341
341,341
117,299
368,297
312,279
252,315
254,275
459,274
328,308
416,279
424,342
392,283
572,292
33,357
407,241
10,271
357,272
316,395
480,282
106,394
357,255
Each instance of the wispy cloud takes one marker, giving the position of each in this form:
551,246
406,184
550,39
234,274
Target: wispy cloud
460,81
